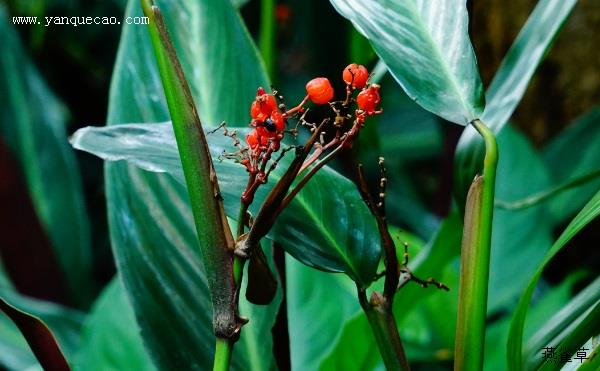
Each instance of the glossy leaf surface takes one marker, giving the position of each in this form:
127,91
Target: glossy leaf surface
509,84
426,47
332,231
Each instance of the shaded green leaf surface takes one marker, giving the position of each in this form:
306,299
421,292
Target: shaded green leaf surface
111,338
574,152
33,125
63,324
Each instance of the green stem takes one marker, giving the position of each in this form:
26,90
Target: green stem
385,330
222,355
213,231
266,36
475,260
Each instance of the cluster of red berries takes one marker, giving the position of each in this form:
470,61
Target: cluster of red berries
355,76
268,121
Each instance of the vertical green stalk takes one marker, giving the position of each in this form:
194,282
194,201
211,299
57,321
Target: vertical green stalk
222,358
266,36
213,230
475,260
383,324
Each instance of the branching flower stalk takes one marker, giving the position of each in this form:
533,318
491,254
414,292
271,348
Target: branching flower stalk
224,258
378,308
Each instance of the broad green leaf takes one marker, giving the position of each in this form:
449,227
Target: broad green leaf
509,84
565,325
572,153
355,347
332,231
318,306
426,47
515,341
111,338
152,233
50,328
32,123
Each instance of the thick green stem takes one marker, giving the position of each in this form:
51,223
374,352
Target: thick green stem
266,35
213,230
222,358
475,260
382,322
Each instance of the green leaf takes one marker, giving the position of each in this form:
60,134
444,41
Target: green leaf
39,337
572,153
550,300
151,225
515,341
593,361
50,330
313,228
509,84
111,338
565,326
587,326
318,306
426,47
32,123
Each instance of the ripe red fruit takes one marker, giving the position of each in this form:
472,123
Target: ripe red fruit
356,75
368,99
271,126
263,105
278,121
254,139
319,90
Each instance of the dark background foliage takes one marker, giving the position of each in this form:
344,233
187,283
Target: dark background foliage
312,39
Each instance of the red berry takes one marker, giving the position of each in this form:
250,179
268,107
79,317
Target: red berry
368,99
263,105
278,120
254,139
319,90
256,111
264,132
356,75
